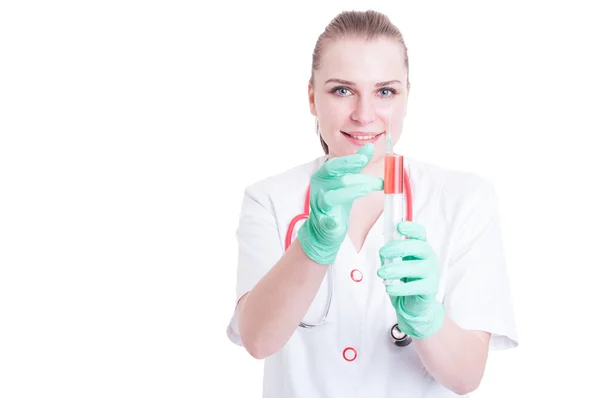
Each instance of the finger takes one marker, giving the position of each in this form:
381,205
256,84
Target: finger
412,288
330,227
412,230
344,195
322,204
353,163
375,183
367,150
405,248
403,269
337,167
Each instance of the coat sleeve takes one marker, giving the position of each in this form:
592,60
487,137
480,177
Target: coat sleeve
478,295
259,247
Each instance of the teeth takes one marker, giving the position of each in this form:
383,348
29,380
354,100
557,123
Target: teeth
363,137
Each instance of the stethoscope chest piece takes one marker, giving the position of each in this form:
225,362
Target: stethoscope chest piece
398,337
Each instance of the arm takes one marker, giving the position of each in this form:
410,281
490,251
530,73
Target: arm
455,357
477,303
452,340
272,310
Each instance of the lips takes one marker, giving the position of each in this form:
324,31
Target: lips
361,138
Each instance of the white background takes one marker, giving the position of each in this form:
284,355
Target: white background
118,120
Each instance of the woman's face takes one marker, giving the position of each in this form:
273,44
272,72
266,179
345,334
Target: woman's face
359,88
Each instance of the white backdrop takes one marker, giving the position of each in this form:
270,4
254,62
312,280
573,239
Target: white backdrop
117,217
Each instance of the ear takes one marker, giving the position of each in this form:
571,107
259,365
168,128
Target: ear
311,100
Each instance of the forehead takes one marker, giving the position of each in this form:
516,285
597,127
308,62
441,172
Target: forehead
362,61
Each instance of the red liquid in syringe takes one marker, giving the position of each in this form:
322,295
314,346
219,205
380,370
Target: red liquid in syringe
393,181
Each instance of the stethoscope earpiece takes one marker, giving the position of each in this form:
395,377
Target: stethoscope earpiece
398,337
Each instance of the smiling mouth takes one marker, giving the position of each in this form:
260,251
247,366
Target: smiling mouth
362,137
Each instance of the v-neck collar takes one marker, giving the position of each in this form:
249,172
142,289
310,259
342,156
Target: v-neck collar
376,231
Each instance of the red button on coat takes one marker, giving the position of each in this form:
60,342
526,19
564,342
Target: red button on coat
349,354
356,275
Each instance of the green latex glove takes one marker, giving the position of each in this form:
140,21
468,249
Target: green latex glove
333,189
416,265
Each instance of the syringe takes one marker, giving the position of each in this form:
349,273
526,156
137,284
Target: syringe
393,214
393,189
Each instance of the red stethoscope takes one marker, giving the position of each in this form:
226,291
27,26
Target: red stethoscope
397,337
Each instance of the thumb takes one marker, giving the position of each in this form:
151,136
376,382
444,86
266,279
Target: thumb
367,150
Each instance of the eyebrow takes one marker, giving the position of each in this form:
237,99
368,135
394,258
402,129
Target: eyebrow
349,83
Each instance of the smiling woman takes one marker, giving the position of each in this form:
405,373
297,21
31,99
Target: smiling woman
344,106
357,57
445,286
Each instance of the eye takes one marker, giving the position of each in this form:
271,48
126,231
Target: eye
387,92
341,91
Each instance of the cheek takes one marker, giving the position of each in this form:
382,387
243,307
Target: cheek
333,114
397,119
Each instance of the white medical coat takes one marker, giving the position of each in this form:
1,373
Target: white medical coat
459,212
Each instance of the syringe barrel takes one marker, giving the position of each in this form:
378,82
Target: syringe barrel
393,214
393,181
393,205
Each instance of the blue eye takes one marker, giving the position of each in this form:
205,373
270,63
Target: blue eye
341,91
389,92
385,92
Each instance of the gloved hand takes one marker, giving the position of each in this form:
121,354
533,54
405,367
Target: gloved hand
415,263
333,189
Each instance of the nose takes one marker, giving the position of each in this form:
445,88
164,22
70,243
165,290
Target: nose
364,111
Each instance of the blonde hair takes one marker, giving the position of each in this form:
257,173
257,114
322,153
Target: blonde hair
367,25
